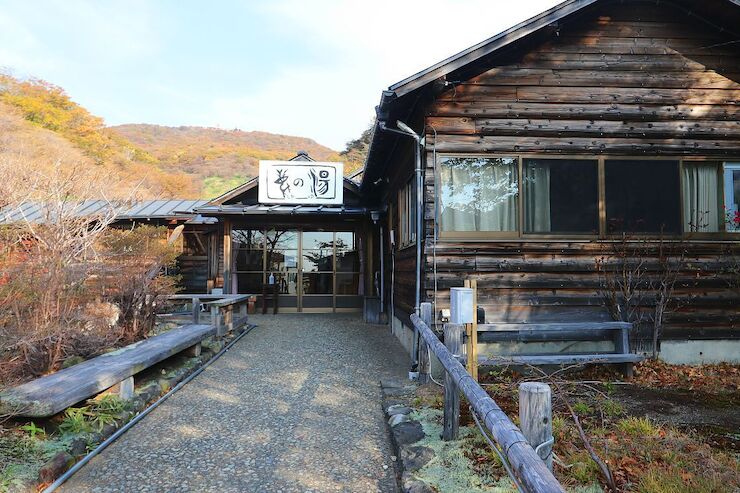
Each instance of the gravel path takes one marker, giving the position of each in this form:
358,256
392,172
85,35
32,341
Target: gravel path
293,406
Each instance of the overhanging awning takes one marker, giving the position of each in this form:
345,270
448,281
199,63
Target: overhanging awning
260,209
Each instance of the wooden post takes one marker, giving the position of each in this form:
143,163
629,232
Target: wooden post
227,256
425,369
196,310
453,334
126,389
471,330
532,472
228,318
243,310
535,416
217,321
193,351
622,346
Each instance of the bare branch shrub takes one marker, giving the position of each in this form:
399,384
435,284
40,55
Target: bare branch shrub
56,265
637,280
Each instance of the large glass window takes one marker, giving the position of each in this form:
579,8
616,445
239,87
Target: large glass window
701,197
479,194
732,197
561,196
642,196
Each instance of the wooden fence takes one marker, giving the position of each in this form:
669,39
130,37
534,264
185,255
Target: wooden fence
530,470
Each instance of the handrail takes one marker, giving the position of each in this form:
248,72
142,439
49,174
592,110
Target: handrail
529,468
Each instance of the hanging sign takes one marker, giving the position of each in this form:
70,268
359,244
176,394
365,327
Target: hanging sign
300,182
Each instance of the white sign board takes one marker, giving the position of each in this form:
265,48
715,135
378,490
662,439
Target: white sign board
300,182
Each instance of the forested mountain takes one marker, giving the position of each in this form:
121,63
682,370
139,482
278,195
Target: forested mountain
217,159
40,121
41,125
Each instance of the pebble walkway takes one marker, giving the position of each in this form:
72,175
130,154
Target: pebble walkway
294,406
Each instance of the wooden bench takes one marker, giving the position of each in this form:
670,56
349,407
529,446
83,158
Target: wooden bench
221,307
53,393
545,325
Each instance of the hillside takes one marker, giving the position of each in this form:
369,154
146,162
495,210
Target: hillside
41,122
217,159
41,125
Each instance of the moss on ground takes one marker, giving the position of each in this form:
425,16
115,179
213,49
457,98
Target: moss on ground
451,470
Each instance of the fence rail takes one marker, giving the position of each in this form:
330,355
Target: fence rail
529,469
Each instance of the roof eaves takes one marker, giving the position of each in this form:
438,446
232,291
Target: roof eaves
488,46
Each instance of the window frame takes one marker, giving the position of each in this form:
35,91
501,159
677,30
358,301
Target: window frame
725,165
601,159
406,214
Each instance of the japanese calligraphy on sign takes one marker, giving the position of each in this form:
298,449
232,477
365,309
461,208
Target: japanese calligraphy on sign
294,182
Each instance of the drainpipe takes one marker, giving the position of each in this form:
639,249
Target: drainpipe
418,171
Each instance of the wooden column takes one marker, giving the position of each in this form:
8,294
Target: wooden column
535,416
196,310
217,321
453,334
471,330
227,256
425,369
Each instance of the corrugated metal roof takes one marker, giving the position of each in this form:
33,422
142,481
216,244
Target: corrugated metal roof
281,209
37,212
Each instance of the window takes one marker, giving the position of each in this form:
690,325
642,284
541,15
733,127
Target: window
701,197
561,196
407,214
642,196
479,194
732,197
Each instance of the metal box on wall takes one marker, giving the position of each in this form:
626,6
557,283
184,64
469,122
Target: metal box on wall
461,306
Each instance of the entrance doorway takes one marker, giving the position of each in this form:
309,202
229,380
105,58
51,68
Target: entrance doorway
313,270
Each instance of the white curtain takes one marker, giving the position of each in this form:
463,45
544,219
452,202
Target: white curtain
537,197
700,198
478,194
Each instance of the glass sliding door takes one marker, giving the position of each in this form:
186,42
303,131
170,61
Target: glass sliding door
315,271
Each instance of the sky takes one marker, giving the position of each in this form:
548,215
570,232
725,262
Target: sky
311,68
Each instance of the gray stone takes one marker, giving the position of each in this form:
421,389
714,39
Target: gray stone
414,458
78,447
397,419
407,433
398,409
411,484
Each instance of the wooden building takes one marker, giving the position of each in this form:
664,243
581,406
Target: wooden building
546,146
302,257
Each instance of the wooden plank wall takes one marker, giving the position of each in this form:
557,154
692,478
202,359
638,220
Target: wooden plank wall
630,80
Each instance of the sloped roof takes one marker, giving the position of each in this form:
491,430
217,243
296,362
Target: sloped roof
400,97
36,212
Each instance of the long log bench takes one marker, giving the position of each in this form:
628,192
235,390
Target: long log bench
518,326
53,393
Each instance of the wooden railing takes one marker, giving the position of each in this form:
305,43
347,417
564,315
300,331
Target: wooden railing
530,470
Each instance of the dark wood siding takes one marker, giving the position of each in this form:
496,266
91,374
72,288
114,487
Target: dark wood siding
638,80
